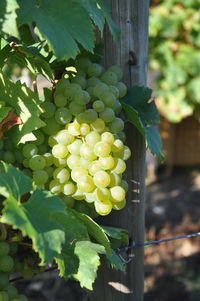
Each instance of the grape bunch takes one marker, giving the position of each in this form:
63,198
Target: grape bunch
7,291
80,154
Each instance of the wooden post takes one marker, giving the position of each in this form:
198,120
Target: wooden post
131,54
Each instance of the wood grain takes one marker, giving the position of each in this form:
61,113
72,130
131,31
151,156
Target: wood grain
131,54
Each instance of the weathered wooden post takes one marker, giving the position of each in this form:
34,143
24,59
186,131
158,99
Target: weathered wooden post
131,54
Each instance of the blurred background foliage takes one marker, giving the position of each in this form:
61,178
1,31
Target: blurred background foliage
175,56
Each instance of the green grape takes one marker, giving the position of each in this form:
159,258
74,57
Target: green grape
63,116
102,194
51,127
68,200
81,73
69,188
74,129
90,197
106,162
60,162
120,166
109,99
85,184
121,136
6,263
119,205
90,91
83,63
86,151
82,98
78,195
80,80
92,138
84,129
43,148
114,91
60,151
71,91
115,179
117,193
88,116
84,163
98,125
124,154
26,163
4,296
39,137
100,89
8,157
62,84
40,176
64,137
117,107
4,280
78,172
51,141
75,108
55,187
19,156
107,115
117,70
109,78
73,161
12,291
103,208
37,162
48,159
124,184
117,146
107,137
92,82
101,179
49,109
122,89
95,70
49,171
116,126
61,174
60,100
4,248
74,147
102,149
94,166
98,106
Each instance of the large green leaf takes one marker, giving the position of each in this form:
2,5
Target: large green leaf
89,260
95,231
143,115
64,24
138,97
154,141
27,106
8,16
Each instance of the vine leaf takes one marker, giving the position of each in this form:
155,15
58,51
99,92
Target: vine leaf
95,231
89,261
59,23
143,115
8,16
27,107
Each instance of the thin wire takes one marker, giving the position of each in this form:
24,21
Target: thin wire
135,245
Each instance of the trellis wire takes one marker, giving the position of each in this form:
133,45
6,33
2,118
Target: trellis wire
135,245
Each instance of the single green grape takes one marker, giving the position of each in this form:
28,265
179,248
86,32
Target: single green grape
6,263
37,162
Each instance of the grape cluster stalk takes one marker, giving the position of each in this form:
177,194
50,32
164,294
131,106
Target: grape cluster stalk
80,154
